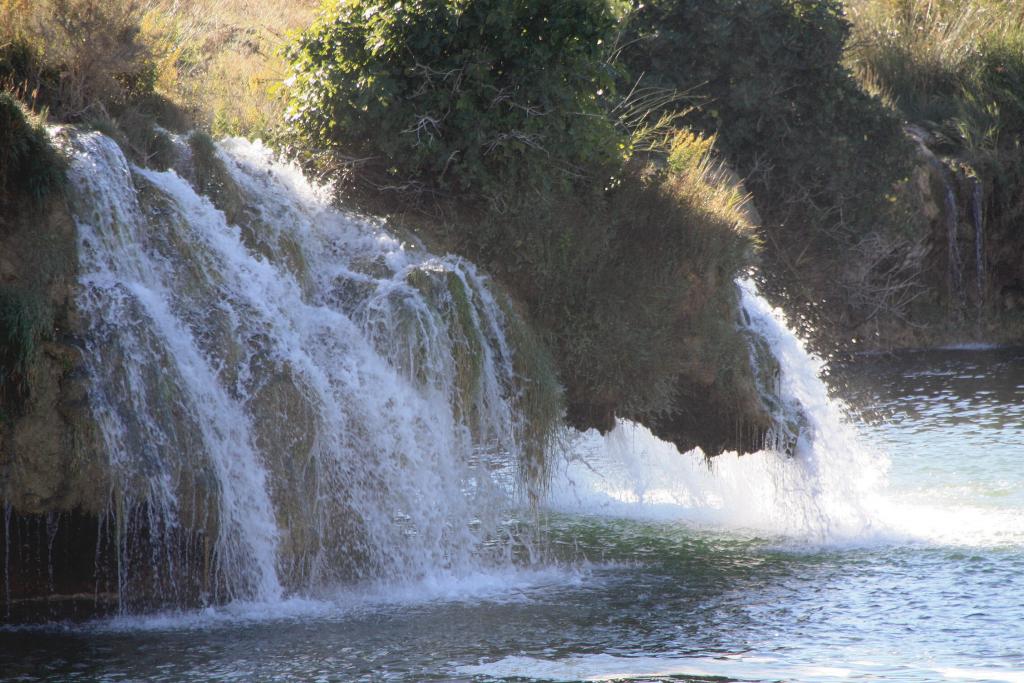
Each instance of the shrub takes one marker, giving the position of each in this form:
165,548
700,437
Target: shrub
826,163
492,126
474,96
630,282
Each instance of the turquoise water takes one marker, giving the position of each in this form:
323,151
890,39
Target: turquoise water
922,581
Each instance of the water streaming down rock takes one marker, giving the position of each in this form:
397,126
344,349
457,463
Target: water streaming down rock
826,490
956,274
294,398
978,218
295,402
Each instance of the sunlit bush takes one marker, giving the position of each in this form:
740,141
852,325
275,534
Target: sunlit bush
470,96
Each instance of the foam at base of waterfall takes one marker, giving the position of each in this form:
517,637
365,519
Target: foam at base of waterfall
832,491
505,585
631,474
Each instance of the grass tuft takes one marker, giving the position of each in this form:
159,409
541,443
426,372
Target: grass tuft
30,167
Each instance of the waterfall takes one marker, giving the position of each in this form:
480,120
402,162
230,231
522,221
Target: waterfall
293,398
978,218
815,480
956,276
293,401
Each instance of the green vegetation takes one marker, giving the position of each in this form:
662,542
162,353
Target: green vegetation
627,280
30,167
953,64
484,98
587,154
955,69
31,173
540,402
827,164
22,323
495,128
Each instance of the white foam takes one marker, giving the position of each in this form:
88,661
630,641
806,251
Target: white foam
604,667
832,491
497,586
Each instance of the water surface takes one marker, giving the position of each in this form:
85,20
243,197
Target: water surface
654,568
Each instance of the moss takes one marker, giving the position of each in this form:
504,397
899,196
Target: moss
213,179
540,400
446,293
468,351
148,144
23,322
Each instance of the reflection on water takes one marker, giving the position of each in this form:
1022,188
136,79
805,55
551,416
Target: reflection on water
665,600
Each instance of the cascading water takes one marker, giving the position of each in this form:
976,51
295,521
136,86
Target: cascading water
825,491
978,218
956,267
299,401
302,400
293,398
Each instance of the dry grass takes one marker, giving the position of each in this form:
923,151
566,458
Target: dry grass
918,54
215,61
76,57
219,60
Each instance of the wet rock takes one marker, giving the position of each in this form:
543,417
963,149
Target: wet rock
50,460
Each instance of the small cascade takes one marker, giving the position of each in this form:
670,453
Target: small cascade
787,416
815,480
956,267
978,219
290,402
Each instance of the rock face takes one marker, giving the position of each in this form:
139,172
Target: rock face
53,476
49,458
969,257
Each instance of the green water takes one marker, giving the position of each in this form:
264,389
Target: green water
931,588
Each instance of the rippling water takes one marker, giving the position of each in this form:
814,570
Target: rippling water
648,581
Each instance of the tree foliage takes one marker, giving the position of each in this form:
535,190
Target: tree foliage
824,160
504,114
458,95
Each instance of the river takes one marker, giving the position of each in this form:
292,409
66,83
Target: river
641,581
